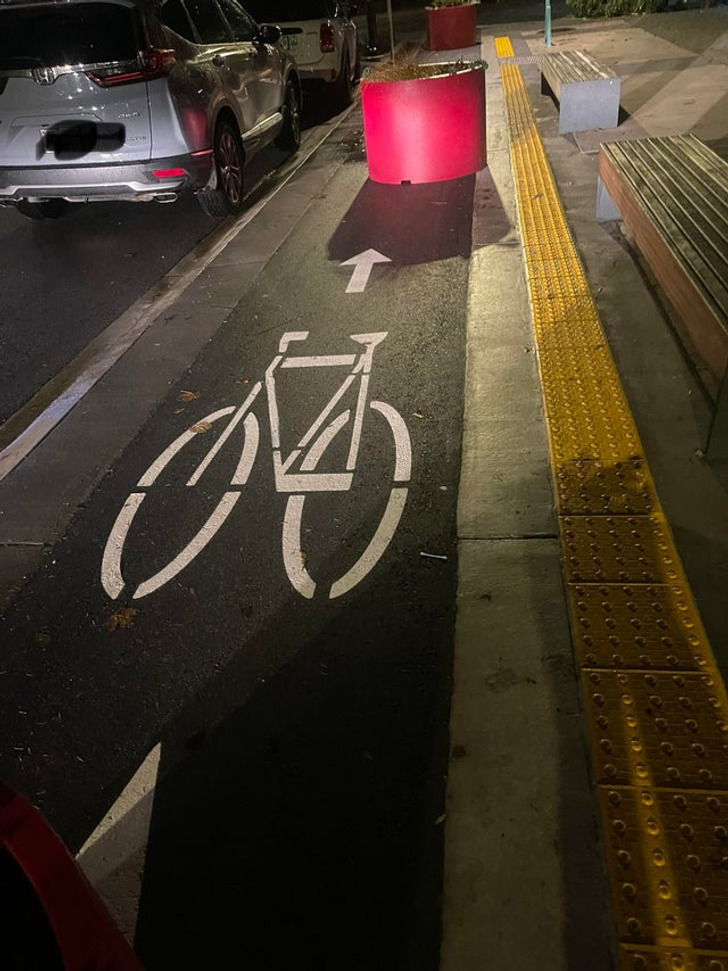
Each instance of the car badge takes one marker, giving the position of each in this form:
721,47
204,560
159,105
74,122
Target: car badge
44,75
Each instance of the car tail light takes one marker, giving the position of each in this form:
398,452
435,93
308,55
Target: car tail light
153,63
326,39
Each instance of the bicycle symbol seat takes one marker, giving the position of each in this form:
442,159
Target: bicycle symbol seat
297,474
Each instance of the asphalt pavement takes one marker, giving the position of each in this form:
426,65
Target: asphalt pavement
180,602
67,279
304,742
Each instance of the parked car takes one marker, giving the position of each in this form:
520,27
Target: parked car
322,37
138,100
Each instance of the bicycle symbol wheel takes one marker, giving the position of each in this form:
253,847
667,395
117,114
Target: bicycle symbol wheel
292,559
298,484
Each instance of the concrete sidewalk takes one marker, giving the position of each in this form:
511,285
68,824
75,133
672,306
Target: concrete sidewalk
524,869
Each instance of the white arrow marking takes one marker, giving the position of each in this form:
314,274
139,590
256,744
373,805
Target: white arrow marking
363,264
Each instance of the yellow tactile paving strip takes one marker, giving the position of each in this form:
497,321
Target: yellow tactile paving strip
503,47
655,702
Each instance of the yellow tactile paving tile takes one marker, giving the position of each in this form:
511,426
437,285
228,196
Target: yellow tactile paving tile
503,47
655,704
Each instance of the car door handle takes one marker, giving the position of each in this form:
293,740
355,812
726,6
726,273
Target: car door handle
218,60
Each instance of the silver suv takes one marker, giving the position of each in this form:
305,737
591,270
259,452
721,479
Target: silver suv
138,100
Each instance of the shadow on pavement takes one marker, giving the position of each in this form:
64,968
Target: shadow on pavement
410,224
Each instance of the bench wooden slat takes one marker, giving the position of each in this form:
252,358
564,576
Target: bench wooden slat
587,92
708,189
574,66
676,210
671,194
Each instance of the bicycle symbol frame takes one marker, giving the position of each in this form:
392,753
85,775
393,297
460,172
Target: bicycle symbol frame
295,475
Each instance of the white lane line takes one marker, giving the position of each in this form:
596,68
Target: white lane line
114,854
106,350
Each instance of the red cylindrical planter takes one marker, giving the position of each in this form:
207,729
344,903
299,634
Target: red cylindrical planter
426,130
449,28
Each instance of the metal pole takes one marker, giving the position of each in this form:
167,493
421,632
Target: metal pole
373,49
391,26
548,23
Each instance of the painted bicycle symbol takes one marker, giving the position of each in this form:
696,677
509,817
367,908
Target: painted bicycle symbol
295,475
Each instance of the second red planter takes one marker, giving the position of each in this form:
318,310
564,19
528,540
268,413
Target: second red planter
450,28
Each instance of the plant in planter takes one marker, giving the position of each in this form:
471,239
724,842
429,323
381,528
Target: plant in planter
424,122
451,24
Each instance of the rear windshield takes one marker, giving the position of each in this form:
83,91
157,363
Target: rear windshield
285,11
81,33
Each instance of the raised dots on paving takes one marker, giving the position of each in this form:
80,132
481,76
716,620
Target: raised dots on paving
655,703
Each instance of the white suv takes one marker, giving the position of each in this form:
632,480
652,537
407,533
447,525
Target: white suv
321,36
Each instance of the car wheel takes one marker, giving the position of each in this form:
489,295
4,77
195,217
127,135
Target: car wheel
227,198
289,139
343,85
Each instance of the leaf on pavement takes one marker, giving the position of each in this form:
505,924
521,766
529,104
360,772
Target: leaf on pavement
188,395
122,618
201,426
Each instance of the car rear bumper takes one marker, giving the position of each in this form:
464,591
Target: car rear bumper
130,181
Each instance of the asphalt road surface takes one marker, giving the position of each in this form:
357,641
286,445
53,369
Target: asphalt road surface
297,818
64,281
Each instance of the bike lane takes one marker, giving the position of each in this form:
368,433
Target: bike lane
298,809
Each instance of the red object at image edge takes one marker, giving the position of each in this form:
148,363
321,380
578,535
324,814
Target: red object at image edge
87,937
425,130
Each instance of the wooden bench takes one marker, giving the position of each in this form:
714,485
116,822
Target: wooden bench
672,194
588,94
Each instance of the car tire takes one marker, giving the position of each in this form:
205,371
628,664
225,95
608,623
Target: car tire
227,199
289,139
343,84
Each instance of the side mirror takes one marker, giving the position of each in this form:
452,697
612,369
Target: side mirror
269,34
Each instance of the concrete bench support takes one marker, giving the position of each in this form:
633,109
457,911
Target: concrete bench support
588,94
672,194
